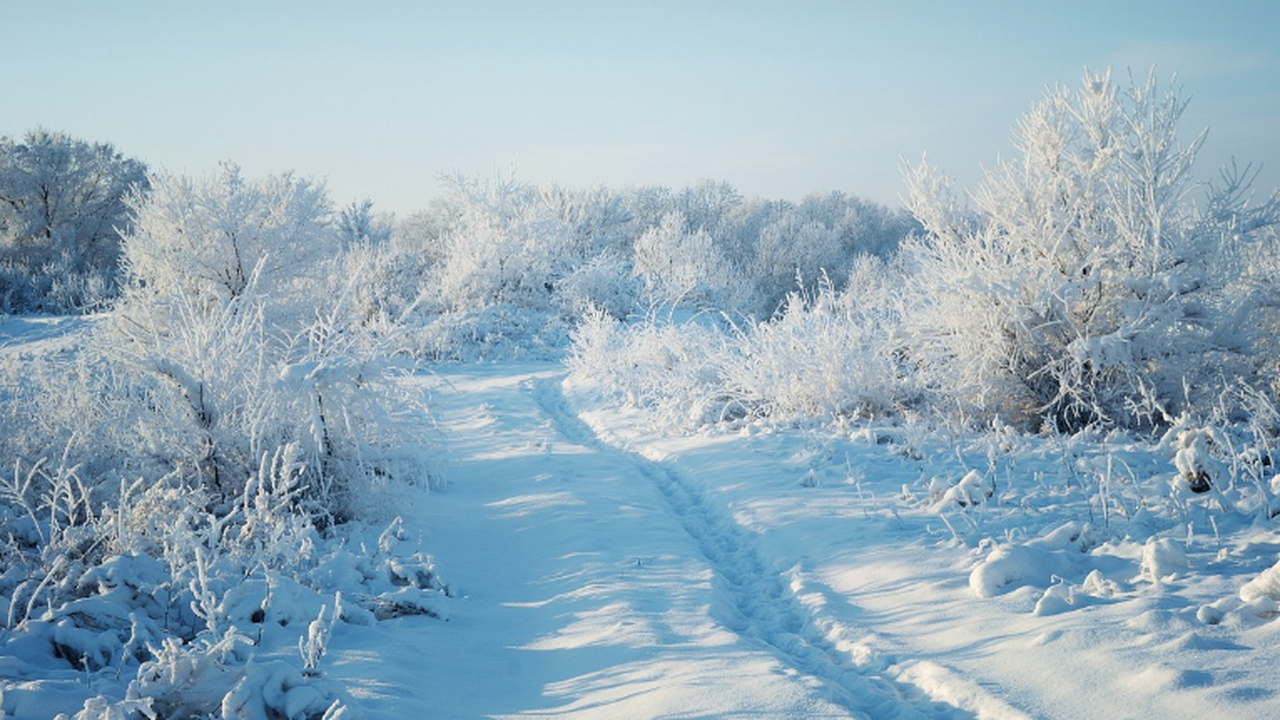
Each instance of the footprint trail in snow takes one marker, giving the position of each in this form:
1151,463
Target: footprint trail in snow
592,582
757,603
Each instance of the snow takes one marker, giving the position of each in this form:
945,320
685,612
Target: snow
597,567
604,570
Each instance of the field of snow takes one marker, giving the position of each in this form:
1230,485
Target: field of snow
601,570
596,567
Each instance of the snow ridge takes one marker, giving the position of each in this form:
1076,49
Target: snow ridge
758,603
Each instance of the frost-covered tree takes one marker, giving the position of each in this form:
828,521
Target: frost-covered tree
1085,284
204,238
62,201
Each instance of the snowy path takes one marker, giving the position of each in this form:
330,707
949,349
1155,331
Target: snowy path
757,602
601,570
595,583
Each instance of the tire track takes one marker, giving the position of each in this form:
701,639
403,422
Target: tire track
757,603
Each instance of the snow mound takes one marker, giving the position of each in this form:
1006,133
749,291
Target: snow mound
1266,585
1055,555
1162,560
1012,566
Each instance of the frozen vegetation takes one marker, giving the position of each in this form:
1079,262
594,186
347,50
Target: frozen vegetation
1007,453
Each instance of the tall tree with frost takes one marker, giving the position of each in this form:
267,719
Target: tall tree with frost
1085,284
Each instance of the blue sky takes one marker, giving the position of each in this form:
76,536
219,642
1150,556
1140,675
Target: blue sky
778,98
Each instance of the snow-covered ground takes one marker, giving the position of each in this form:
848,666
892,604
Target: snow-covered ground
599,568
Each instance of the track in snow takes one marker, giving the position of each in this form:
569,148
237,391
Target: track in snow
758,603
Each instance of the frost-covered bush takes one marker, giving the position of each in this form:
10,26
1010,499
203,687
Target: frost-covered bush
826,354
240,332
1085,285
672,369
603,282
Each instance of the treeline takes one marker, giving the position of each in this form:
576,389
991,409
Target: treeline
65,204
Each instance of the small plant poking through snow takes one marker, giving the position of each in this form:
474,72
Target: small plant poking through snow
313,646
1194,458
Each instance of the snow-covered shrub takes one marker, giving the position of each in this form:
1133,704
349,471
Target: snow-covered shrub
673,369
239,333
496,332
826,354
214,391
1194,458
1084,287
680,266
603,282
1266,586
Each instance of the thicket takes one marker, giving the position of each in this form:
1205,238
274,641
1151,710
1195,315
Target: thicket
174,484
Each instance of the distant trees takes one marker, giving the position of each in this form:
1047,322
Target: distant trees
501,262
62,201
708,246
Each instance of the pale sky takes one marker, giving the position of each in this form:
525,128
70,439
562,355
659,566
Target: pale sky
780,99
